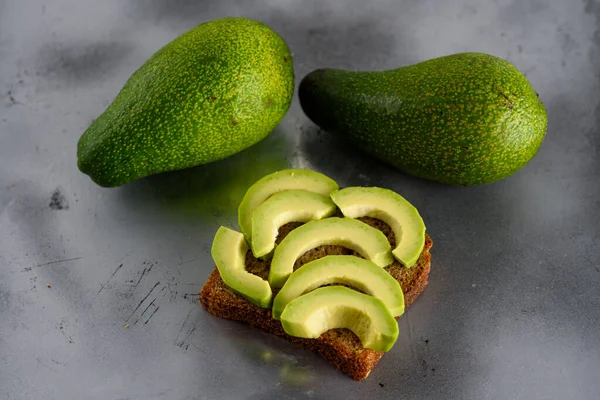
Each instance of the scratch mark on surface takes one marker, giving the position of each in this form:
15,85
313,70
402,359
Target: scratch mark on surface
591,264
61,328
40,362
115,271
182,326
144,299
168,289
140,278
146,309
186,262
52,262
102,286
57,362
184,344
145,272
197,348
192,297
151,315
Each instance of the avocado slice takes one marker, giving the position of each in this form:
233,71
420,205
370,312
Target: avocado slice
284,207
331,307
349,270
391,208
369,242
287,179
229,253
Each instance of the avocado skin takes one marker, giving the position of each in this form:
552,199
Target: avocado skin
210,93
462,119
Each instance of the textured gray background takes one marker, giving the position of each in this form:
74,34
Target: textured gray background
512,309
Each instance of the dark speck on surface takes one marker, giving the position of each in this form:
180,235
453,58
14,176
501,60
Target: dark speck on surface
58,201
10,96
381,384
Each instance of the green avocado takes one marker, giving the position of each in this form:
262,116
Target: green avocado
312,314
229,253
461,119
284,207
210,93
348,270
353,234
287,179
384,204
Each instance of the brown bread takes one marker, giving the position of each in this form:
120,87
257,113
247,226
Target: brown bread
340,347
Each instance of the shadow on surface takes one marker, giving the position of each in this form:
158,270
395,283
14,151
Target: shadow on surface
81,62
296,369
350,165
313,28
42,246
211,191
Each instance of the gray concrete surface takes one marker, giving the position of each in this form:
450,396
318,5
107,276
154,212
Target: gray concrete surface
512,309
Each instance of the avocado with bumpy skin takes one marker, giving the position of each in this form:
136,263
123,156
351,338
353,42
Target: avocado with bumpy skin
309,315
210,93
461,119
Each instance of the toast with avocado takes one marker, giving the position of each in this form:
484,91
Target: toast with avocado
331,275
340,347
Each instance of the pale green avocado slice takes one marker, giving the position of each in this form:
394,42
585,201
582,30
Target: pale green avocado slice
391,208
284,207
312,314
353,271
353,234
229,253
287,179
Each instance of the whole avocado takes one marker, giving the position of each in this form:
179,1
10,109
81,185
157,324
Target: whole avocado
210,93
461,119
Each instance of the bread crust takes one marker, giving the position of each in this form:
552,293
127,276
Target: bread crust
340,347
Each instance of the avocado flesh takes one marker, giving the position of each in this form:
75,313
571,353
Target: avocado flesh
229,253
210,93
462,119
284,207
287,179
353,234
312,314
348,270
393,209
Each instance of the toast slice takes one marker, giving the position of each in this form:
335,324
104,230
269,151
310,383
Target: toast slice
340,347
